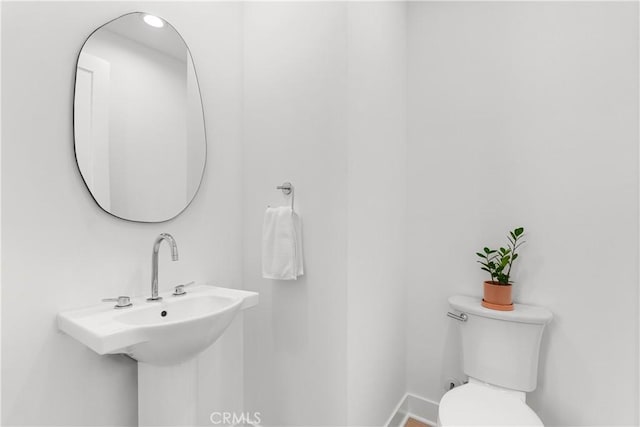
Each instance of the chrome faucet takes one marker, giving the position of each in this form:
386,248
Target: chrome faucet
154,262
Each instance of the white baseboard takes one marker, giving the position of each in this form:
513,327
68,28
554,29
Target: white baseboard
411,405
416,407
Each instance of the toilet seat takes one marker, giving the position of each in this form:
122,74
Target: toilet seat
475,404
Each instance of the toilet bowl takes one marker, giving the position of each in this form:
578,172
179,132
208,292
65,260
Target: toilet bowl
478,404
500,352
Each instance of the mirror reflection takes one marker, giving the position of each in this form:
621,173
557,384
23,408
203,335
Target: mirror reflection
138,120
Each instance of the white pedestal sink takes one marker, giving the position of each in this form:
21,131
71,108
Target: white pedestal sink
165,338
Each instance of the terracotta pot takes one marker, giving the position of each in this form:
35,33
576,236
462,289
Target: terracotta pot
497,297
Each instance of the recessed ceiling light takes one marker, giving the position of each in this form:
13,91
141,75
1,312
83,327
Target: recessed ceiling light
154,21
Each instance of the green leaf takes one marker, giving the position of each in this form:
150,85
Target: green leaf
515,256
487,250
486,269
503,279
519,231
481,255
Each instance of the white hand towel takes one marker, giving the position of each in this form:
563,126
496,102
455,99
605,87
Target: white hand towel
281,244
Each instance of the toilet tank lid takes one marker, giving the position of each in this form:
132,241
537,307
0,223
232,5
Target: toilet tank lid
521,312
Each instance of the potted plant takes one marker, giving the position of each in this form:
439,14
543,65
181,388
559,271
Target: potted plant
498,263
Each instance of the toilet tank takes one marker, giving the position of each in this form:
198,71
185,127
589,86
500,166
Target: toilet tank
501,347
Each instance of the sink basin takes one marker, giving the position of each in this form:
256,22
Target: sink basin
158,333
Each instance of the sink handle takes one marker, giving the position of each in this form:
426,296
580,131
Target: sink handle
179,290
121,301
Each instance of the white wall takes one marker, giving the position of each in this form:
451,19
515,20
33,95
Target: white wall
376,325
61,251
295,83
527,114
324,100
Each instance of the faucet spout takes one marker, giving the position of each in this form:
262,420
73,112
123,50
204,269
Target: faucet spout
154,262
173,247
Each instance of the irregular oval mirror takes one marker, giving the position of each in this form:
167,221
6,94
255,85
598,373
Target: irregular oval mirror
138,120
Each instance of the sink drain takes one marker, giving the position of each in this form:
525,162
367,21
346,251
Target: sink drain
163,314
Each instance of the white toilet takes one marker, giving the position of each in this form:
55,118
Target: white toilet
500,355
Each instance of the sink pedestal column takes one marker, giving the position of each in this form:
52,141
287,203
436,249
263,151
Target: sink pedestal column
167,395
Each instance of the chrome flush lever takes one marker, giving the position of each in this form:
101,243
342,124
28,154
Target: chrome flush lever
179,290
121,302
462,317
